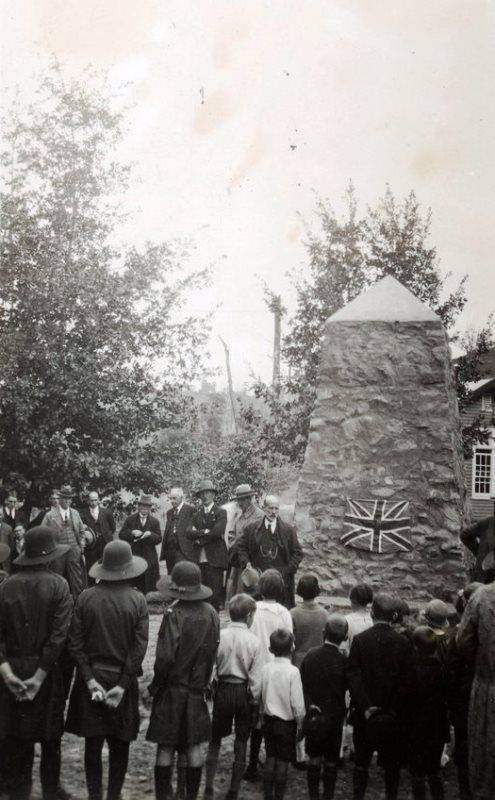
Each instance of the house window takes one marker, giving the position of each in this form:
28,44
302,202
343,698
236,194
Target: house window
482,472
487,402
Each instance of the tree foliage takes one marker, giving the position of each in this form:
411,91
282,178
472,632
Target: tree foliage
345,255
84,320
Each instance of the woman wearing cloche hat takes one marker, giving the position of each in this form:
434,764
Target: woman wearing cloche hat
185,654
35,612
108,640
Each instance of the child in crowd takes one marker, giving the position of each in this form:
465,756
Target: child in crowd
429,728
270,615
436,617
323,674
308,619
282,706
238,672
359,620
402,623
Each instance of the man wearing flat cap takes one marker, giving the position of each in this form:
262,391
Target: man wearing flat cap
207,533
71,530
247,513
142,531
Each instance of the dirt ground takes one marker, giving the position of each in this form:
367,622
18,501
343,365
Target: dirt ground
139,782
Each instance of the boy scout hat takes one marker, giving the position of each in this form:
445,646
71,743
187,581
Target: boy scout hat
118,563
40,547
184,583
436,614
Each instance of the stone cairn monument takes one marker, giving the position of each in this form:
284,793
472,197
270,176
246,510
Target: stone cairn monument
381,494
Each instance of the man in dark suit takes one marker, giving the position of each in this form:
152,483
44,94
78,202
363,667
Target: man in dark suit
272,544
324,680
207,533
12,515
380,670
101,521
480,540
176,544
142,531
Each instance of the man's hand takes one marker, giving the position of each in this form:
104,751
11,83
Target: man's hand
146,535
370,711
137,534
33,685
114,696
14,684
96,691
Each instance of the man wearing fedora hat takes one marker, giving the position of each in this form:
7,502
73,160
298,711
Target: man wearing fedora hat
142,531
185,654
176,544
207,533
108,640
248,512
70,530
101,522
35,612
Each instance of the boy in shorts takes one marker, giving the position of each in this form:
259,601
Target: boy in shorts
238,672
282,706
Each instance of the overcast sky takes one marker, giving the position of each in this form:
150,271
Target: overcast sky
243,111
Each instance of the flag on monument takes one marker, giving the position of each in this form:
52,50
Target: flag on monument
377,526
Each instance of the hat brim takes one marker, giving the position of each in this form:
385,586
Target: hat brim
243,496
198,492
136,567
169,593
25,561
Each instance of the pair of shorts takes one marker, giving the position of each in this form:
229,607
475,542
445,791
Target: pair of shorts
280,738
231,706
324,742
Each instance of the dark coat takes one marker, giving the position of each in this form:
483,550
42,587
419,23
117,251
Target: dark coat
185,654
177,546
480,540
429,727
103,530
107,640
21,518
35,613
146,548
324,680
208,531
379,670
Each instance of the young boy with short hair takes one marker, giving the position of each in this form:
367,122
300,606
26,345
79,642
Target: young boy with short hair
309,618
283,709
238,672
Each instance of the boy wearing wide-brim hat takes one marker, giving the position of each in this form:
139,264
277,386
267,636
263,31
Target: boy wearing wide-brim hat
108,640
185,655
35,612
207,533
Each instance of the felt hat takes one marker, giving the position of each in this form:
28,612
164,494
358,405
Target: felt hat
184,583
4,552
118,563
145,500
243,490
205,486
40,547
249,579
436,614
66,491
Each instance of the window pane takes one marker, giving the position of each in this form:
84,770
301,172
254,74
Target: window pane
482,471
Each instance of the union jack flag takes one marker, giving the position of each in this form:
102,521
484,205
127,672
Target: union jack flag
377,525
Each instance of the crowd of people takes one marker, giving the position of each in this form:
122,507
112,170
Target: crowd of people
300,680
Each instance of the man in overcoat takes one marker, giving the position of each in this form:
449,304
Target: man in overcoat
480,540
35,613
101,522
207,533
108,640
272,544
248,512
70,530
142,531
177,546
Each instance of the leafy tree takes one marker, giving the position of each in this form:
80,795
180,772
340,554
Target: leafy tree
84,320
345,255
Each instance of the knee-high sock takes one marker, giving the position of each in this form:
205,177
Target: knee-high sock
163,782
93,766
193,779
50,768
211,763
254,752
359,782
268,778
280,785
118,759
329,780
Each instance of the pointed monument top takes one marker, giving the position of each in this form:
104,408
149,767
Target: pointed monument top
386,300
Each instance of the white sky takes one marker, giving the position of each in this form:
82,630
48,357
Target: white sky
381,91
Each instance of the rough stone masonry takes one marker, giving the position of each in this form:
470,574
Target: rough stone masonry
381,494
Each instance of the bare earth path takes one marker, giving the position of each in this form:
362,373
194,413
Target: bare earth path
139,782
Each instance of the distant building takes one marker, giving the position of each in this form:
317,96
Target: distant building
480,469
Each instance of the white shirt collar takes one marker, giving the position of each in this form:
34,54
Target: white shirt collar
178,508
270,524
207,509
